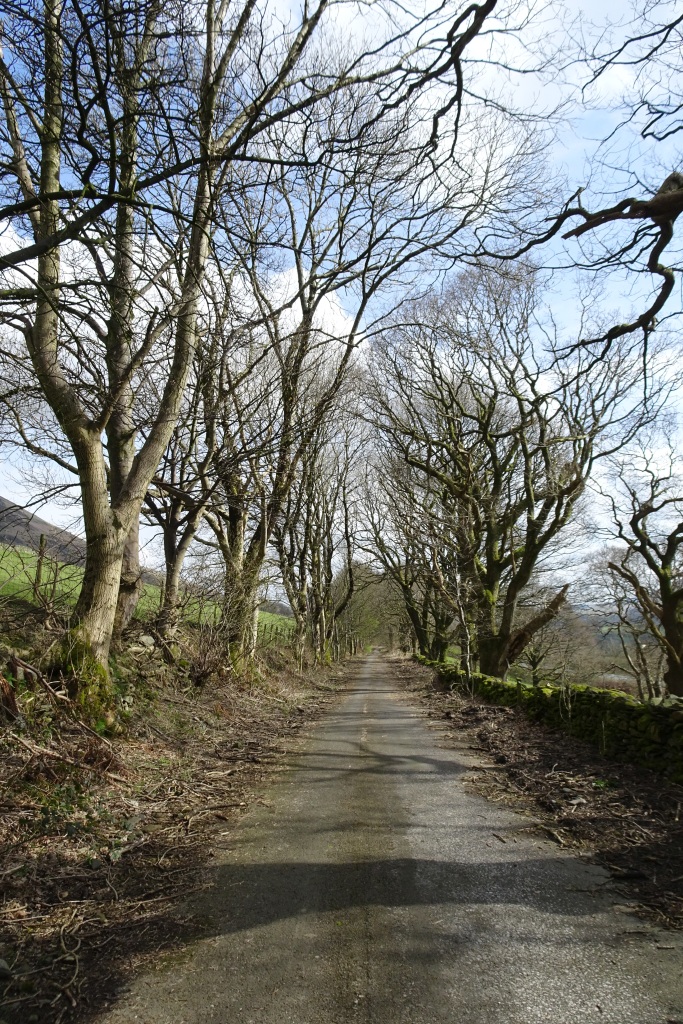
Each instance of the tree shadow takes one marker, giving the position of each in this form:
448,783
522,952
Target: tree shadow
247,896
244,896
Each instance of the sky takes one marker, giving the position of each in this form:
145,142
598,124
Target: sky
576,157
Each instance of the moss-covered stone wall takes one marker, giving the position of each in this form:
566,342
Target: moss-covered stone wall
649,734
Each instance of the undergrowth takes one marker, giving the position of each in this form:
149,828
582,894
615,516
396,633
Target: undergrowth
104,829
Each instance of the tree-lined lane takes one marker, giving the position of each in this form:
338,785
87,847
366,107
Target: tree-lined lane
370,886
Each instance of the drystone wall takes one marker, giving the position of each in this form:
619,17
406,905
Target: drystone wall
648,734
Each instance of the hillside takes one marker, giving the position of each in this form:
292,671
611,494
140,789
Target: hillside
21,528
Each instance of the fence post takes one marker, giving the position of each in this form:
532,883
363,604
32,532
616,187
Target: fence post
37,583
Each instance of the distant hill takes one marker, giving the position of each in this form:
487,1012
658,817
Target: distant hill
21,528
277,608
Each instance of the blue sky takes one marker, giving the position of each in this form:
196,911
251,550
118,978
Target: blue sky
577,157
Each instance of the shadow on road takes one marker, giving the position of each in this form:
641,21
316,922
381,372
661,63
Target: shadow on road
254,895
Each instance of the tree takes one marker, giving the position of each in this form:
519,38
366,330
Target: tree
567,649
180,492
70,324
643,657
113,212
497,445
641,54
649,45
631,239
397,513
647,510
316,534
374,615
315,250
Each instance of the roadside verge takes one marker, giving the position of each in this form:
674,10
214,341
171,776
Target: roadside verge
628,817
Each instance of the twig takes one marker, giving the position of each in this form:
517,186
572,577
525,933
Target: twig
45,752
206,810
12,871
267,696
556,837
169,896
34,749
164,736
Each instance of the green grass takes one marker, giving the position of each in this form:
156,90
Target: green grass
266,620
272,626
60,584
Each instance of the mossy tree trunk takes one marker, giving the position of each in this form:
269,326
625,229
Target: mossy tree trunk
112,494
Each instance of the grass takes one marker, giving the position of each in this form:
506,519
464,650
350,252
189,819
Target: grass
60,585
281,625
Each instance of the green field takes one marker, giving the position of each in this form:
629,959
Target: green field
279,625
59,583
59,586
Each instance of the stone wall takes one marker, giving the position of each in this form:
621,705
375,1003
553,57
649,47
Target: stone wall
649,734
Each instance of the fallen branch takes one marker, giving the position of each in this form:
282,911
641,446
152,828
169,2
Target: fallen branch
46,752
551,832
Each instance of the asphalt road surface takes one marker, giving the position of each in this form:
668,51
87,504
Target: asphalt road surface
372,887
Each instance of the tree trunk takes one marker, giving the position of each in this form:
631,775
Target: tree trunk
437,648
300,641
673,677
167,622
516,645
174,555
492,660
241,639
121,432
498,653
251,638
105,541
420,633
130,583
96,608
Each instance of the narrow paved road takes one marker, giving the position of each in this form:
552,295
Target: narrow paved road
373,888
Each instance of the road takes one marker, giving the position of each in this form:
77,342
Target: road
370,886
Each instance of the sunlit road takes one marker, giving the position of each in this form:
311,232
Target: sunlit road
371,887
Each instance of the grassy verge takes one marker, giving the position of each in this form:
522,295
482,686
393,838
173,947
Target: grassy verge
56,585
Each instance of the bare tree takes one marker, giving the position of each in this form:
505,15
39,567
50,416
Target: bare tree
568,649
648,46
396,511
314,249
640,54
182,487
315,536
374,615
134,178
500,445
647,509
116,211
643,657
71,320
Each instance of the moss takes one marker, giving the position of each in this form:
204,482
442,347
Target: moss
87,679
649,734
